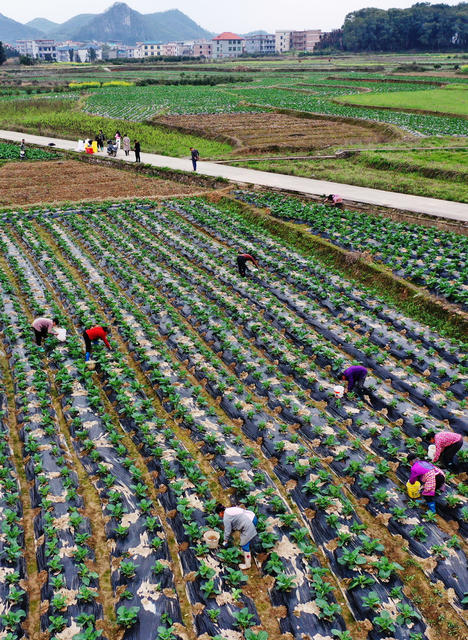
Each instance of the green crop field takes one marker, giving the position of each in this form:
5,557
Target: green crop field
447,100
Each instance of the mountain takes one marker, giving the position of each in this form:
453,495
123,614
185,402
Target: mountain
119,23
44,25
10,30
122,24
67,30
175,25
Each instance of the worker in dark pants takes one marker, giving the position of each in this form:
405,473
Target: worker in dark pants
93,334
242,260
447,445
42,328
137,149
355,377
195,157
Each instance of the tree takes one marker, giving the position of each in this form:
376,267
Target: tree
27,61
92,54
71,54
3,56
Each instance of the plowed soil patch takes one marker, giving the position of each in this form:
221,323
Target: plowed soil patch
58,181
273,131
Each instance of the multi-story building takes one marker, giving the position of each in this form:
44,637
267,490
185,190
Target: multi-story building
305,40
77,53
263,44
41,49
227,45
202,48
297,40
148,49
282,41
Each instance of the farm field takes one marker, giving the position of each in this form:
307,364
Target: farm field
446,100
217,388
67,180
427,256
261,132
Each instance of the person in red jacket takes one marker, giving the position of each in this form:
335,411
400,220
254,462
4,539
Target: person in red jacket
95,333
242,260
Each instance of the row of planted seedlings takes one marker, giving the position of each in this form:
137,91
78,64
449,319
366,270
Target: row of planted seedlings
141,578
208,320
61,531
428,256
321,316
13,588
190,504
196,354
399,408
386,439
292,583
413,343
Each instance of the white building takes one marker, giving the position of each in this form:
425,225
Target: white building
227,45
264,44
282,41
148,49
41,49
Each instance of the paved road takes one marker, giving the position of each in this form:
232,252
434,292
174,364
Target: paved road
417,204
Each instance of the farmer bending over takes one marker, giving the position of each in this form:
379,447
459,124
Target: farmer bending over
355,377
93,334
42,327
431,477
447,445
242,260
334,200
243,520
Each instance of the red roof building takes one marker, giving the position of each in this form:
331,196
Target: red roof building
227,45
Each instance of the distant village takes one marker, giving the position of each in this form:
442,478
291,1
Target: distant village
225,45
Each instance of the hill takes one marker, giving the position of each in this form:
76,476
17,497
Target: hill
122,24
10,30
44,25
68,30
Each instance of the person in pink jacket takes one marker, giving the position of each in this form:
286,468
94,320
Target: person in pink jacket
431,477
42,327
447,445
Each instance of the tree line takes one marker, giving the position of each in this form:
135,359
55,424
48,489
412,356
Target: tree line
423,27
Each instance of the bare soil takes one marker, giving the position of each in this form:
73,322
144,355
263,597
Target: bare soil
257,132
68,180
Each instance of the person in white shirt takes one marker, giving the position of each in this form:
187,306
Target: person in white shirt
243,520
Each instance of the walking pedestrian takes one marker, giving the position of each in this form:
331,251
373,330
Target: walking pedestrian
195,157
355,376
242,260
93,334
23,149
239,519
42,328
100,139
126,144
431,477
118,139
137,149
447,445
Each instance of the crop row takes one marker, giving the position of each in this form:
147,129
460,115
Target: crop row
426,255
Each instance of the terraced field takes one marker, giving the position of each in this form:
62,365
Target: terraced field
217,388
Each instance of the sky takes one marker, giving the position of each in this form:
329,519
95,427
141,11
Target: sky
239,16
